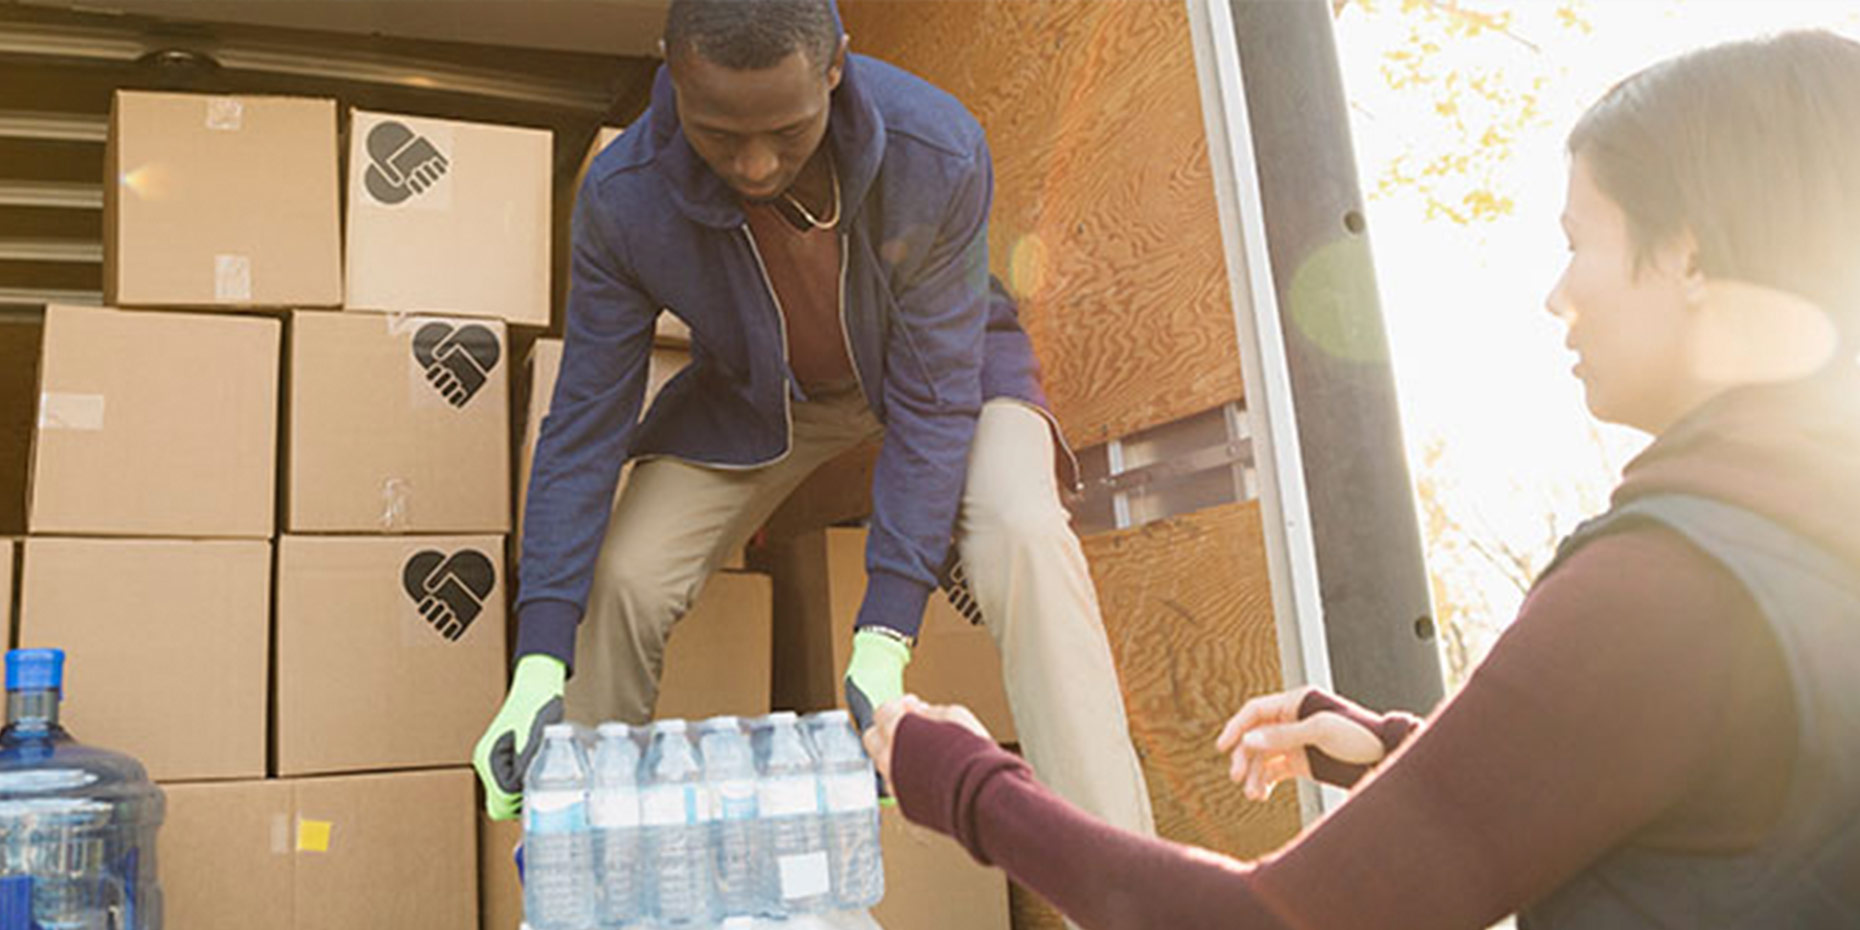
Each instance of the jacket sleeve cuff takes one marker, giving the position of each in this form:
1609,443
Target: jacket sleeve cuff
548,628
938,770
893,601
1390,729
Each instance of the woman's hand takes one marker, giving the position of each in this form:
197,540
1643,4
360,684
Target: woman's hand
884,729
1268,741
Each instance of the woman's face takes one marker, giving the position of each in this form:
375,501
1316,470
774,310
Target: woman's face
1627,325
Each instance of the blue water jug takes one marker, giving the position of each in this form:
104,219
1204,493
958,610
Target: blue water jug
77,823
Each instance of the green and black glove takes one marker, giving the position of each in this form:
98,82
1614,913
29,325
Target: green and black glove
504,751
874,676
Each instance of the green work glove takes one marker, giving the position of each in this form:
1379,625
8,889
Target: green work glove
875,675
504,751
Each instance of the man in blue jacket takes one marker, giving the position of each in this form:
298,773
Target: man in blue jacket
820,222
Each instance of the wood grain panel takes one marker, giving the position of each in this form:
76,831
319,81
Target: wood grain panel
1104,222
1189,613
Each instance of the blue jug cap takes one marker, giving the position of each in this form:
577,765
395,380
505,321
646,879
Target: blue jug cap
35,670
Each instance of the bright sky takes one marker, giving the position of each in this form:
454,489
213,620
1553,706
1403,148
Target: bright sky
1479,365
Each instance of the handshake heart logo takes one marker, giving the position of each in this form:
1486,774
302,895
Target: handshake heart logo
457,360
449,590
401,163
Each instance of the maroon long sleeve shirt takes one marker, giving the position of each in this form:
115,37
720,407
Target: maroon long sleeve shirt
1638,697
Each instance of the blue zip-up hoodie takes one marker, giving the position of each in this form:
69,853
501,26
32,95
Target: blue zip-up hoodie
931,336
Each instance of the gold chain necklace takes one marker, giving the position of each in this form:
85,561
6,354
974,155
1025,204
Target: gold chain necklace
808,215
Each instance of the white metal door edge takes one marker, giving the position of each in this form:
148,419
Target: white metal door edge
1291,551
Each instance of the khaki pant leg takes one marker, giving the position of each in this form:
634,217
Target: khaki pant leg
1035,591
673,524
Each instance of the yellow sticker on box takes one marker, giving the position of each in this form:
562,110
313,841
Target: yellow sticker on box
313,835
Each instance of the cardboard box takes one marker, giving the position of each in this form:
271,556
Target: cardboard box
167,645
717,660
221,202
932,884
819,583
544,367
373,852
449,217
7,550
671,331
390,650
397,425
500,895
138,424
226,856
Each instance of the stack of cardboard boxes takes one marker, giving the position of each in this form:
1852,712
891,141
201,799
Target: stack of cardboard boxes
308,693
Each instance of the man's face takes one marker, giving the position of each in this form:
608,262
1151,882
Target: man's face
756,129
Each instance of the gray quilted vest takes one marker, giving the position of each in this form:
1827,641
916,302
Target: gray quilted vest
1806,873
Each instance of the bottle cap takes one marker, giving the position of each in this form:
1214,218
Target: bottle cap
721,722
613,728
35,670
559,731
669,726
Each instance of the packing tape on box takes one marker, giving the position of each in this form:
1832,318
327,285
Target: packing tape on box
225,114
313,835
70,411
232,278
280,835
396,504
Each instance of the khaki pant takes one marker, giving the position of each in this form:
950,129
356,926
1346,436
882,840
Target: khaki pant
675,523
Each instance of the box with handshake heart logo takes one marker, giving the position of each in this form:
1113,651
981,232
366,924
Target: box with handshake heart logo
390,650
448,217
397,424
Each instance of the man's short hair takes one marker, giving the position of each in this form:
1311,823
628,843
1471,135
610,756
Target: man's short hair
749,35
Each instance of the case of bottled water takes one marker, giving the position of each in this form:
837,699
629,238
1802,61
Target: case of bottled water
771,825
77,823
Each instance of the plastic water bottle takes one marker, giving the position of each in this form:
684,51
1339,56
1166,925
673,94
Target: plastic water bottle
674,811
77,823
848,783
730,777
558,843
613,811
796,878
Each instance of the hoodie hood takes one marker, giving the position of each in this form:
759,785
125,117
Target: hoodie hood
1790,452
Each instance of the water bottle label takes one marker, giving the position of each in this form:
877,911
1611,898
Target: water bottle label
555,812
736,800
669,805
786,797
613,809
804,875
851,791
